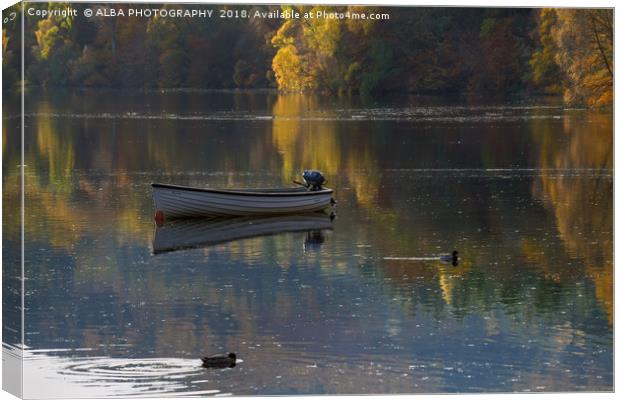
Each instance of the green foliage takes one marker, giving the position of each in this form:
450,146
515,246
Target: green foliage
545,72
56,50
487,27
352,76
381,67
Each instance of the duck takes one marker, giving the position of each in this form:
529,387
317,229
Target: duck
220,361
451,258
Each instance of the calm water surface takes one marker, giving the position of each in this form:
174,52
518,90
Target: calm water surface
357,305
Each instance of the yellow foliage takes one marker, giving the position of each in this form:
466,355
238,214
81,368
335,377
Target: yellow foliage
322,35
47,36
287,67
310,51
584,40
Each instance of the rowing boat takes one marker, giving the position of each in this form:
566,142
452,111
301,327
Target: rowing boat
175,201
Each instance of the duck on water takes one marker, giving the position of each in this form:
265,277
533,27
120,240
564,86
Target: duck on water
220,361
451,258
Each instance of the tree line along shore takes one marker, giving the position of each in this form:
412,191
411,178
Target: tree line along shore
479,51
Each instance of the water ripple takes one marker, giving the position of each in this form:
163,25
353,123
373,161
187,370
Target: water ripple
101,376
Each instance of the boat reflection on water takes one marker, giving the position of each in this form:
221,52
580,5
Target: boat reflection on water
193,233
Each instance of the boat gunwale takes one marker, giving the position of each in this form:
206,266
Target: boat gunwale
243,192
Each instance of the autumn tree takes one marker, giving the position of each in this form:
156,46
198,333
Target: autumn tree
306,49
329,54
545,72
500,68
581,42
55,48
289,65
486,51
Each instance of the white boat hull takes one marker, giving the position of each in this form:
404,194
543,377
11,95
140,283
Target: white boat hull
182,201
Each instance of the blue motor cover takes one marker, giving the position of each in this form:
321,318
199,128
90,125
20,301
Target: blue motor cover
314,179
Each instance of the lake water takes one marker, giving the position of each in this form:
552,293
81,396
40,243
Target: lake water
360,304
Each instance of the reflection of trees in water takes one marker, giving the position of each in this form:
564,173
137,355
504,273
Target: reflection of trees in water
554,266
87,167
582,206
70,207
302,143
63,205
418,286
308,135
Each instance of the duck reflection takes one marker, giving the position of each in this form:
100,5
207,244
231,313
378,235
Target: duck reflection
195,233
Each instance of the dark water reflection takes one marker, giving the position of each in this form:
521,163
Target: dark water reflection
524,192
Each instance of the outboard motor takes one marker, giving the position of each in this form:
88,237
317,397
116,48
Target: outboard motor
313,179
